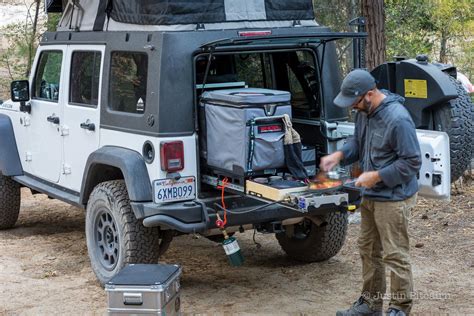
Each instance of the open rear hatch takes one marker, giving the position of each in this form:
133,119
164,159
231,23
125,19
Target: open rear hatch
265,38
270,184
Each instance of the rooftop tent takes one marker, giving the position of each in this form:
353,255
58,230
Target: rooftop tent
163,12
178,14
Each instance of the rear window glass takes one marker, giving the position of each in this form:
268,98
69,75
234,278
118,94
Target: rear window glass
84,82
128,82
293,71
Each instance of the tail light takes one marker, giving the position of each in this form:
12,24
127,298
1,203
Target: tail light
255,33
172,156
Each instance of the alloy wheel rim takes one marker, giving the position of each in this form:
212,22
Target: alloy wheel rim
106,240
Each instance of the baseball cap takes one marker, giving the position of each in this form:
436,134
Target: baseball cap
354,85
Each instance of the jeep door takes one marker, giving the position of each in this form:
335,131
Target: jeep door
81,110
43,126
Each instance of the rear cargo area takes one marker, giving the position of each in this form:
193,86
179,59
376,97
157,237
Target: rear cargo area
242,100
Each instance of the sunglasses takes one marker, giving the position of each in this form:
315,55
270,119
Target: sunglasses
358,101
361,98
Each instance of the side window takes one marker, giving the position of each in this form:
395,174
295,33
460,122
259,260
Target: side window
254,69
303,82
48,74
128,81
297,93
84,79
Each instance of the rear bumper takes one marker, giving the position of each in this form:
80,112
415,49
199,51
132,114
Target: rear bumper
200,216
186,217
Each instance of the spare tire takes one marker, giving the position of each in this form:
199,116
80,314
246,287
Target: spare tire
455,118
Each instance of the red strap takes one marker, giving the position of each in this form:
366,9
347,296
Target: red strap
224,183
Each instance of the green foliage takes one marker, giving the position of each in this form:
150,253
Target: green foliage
408,27
336,14
53,21
442,29
21,48
52,69
453,24
15,57
452,16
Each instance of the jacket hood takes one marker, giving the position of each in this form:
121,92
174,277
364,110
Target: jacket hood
390,98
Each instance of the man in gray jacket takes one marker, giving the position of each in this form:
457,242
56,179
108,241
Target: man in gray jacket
386,146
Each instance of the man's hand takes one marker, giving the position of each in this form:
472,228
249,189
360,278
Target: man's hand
328,162
368,179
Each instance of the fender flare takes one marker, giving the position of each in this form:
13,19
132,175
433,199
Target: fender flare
129,162
10,164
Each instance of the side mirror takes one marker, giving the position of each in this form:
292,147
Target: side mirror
20,91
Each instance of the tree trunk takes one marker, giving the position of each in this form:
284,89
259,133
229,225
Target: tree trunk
31,44
443,56
374,12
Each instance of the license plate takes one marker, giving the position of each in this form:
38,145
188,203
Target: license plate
170,190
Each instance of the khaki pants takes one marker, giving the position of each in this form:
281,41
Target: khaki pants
384,242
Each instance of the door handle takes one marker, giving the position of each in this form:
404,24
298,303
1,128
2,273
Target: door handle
88,126
53,119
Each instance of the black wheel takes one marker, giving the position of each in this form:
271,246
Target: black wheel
9,202
312,241
455,118
114,236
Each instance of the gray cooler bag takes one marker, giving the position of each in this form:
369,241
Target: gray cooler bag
244,129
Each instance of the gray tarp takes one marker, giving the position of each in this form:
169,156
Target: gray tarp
165,12
86,15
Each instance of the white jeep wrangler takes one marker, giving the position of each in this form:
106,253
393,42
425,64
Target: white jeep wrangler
109,121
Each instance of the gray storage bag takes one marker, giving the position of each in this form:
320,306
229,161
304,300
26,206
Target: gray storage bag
244,129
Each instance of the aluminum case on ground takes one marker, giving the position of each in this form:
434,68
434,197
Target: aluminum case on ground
145,289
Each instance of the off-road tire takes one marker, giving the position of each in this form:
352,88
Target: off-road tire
114,236
313,243
9,202
455,118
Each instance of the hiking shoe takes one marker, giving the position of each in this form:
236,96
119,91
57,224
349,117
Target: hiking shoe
360,307
395,312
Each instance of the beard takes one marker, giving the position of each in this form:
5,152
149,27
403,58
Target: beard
366,107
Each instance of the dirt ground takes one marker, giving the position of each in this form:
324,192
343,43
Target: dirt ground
44,268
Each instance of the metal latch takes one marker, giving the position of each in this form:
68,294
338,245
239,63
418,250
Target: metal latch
66,168
28,156
64,130
25,121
